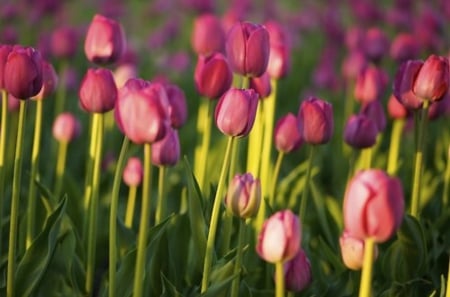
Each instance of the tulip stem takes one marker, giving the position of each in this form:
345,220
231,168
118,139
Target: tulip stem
16,185
238,263
447,291
446,193
225,231
279,279
139,274
306,186
161,208
113,218
394,147
366,156
233,159
202,151
97,130
254,143
60,167
418,166
215,216
130,206
276,173
89,169
31,208
366,277
3,133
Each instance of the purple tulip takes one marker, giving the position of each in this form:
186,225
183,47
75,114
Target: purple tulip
376,44
403,84
360,131
404,47
375,111
315,121
178,112
98,91
166,152
297,272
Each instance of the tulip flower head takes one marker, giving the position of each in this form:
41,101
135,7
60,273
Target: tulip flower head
297,272
261,85
287,137
64,42
315,121
360,131
396,109
373,205
4,52
208,35
166,152
403,84
369,84
432,80
66,127
280,237
133,172
213,75
352,251
375,111
244,196
98,91
404,47
178,112
376,44
49,80
279,58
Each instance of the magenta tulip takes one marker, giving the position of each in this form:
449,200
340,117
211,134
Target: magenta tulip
375,111
49,80
166,152
98,91
369,85
287,137
244,196
279,62
432,80
261,85
396,109
64,42
297,272
315,121
376,44
404,47
213,75
133,172
178,112
66,127
4,52
208,35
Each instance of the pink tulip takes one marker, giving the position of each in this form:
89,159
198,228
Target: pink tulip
244,196
315,121
369,85
166,152
4,52
261,85
432,80
66,127
287,137
64,42
404,47
396,109
297,272
133,172
49,80
178,112
352,251
213,75
208,35
98,91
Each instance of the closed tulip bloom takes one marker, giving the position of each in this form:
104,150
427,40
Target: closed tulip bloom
280,237
375,111
396,109
261,85
432,80
403,84
233,121
373,205
354,64
404,47
66,127
23,72
369,85
244,196
49,80
376,44
315,121
4,52
178,112
287,137
248,48
98,91
213,75
279,57
297,272
105,41
166,152
352,251
360,131
123,73
64,42
208,35
133,172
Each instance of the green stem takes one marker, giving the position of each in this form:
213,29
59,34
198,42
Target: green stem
245,82
89,170
130,206
60,167
93,207
366,277
226,231
447,291
446,193
215,216
31,208
16,185
276,173
113,218
367,157
254,143
394,146
306,187
418,162
139,274
201,153
279,279
3,133
161,208
238,263
234,159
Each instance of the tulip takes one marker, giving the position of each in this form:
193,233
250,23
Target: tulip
98,91
404,47
133,172
315,121
23,72
280,237
248,48
373,205
354,38
279,57
49,80
354,64
396,109
166,152
234,121
177,106
64,42
208,35
66,127
105,41
261,85
360,131
297,272
287,137
213,75
123,73
376,44
244,196
432,80
369,85
352,251
375,111
4,52
403,84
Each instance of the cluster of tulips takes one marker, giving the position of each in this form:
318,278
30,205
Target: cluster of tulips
216,228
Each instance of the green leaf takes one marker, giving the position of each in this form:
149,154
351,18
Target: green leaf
218,289
36,259
169,290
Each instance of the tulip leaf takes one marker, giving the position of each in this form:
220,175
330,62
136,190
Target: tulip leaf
219,289
36,259
169,290
321,210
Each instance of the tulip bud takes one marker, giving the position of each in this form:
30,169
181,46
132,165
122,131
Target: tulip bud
374,110
64,42
432,80
4,52
280,237
244,196
396,109
66,127
315,121
177,106
261,85
166,152
105,41
23,72
213,75
49,80
234,121
133,172
376,44
123,73
208,35
248,48
297,272
354,64
352,251
404,47
279,57
403,84
373,205
98,91
369,85
360,131
287,137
